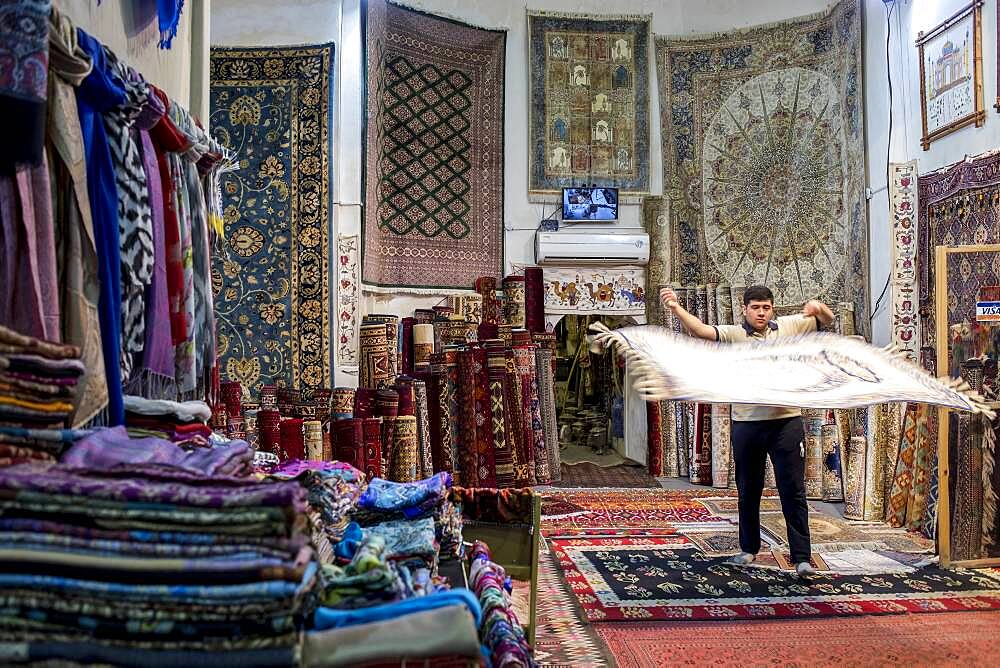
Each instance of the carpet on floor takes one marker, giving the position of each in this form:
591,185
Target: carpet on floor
622,508
587,474
578,454
668,577
833,534
564,638
957,639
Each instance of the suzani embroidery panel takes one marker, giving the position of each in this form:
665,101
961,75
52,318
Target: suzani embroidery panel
348,294
434,151
271,106
589,102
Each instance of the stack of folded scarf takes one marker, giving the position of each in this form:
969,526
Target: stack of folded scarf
185,423
369,578
19,445
333,490
386,501
147,564
105,448
499,630
38,381
436,630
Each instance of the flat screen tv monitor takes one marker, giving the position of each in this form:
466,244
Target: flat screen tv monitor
595,204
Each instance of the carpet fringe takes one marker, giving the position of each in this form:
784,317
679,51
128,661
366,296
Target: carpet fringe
541,13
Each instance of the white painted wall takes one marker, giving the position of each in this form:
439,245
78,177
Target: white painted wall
112,22
267,23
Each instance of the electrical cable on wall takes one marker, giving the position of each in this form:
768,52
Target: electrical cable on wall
889,6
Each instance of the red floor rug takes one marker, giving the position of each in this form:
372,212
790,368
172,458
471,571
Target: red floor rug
958,639
586,474
668,577
623,508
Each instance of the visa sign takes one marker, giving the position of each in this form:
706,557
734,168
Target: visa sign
987,311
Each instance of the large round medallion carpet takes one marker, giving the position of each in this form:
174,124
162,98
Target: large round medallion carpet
958,639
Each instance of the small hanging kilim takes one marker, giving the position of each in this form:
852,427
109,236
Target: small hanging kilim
272,291
434,163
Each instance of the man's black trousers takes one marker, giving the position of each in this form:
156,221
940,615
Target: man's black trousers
782,440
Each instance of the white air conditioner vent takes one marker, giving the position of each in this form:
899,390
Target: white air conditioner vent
598,248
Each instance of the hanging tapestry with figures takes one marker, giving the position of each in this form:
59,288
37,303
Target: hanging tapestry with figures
764,157
271,106
434,152
589,108
617,291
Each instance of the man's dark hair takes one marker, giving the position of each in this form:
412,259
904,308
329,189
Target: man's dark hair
757,293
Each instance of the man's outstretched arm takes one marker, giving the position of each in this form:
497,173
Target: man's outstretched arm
691,322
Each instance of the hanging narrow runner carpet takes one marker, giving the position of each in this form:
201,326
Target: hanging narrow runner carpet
782,105
348,296
272,295
434,151
905,302
589,107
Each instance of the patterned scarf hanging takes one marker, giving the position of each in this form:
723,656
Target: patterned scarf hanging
135,218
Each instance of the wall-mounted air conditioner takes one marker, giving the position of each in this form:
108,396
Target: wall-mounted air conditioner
596,248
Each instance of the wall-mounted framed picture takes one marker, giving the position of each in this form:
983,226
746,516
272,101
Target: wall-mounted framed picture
951,74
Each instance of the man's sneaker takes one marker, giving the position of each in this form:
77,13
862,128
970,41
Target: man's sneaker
741,559
804,569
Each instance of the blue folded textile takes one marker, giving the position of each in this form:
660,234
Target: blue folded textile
350,542
327,618
412,499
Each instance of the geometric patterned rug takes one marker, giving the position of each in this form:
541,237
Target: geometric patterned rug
563,638
834,534
957,639
434,151
668,577
623,508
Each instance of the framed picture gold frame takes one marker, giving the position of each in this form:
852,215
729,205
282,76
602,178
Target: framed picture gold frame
951,74
941,254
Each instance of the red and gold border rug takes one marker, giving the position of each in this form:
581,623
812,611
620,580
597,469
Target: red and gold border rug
668,577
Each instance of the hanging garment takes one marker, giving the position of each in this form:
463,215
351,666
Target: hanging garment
156,377
74,227
101,91
167,139
168,13
24,48
135,220
29,298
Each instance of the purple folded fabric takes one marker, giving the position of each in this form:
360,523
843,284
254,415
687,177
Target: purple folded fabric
107,448
152,483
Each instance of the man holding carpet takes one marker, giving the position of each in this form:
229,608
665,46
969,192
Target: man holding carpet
762,431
